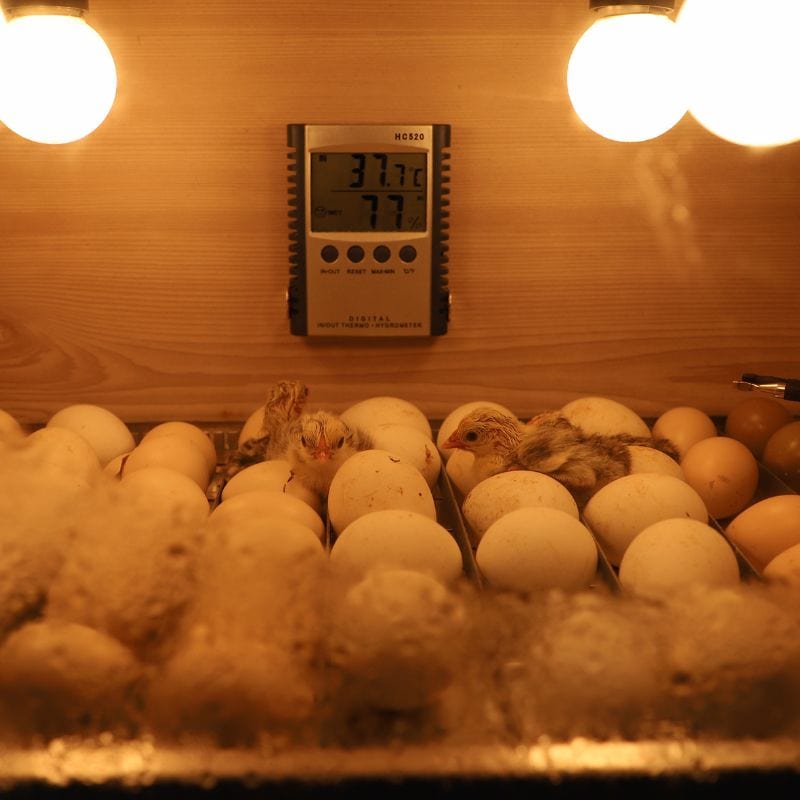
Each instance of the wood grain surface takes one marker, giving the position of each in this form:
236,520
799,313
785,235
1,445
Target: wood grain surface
144,268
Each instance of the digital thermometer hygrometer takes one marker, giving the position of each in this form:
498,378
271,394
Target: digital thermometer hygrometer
368,219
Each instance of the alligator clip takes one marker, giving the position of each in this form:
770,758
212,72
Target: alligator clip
781,388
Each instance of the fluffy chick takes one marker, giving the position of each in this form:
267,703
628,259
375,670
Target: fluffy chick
490,435
581,462
284,405
551,444
317,445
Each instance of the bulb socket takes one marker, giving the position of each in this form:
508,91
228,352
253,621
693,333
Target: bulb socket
632,6
24,8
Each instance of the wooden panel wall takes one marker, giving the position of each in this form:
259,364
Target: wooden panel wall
144,268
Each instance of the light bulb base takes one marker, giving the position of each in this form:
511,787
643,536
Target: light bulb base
24,8
632,6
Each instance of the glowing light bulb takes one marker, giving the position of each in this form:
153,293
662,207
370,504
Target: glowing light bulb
745,64
58,79
625,76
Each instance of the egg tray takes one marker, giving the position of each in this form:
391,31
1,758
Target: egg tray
449,501
668,767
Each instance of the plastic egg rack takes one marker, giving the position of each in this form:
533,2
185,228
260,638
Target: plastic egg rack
449,501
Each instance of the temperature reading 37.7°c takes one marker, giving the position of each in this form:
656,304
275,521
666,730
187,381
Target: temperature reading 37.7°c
362,192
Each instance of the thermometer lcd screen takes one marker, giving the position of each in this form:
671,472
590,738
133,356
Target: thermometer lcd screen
363,192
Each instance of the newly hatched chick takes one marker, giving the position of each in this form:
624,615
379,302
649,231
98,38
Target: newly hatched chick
550,444
284,405
317,445
490,435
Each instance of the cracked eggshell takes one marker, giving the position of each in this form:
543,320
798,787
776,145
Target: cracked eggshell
190,432
604,416
411,445
274,475
499,494
373,480
625,507
107,434
368,414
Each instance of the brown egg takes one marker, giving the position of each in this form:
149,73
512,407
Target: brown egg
754,420
723,472
683,426
767,528
782,454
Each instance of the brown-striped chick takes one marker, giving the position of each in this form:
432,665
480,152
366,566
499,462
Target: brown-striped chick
285,403
549,444
317,445
490,435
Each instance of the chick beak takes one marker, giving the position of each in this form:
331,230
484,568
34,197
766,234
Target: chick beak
323,452
453,442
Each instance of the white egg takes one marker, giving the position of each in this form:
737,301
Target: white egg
604,416
507,491
58,677
396,636
265,503
460,469
275,475
252,426
253,545
450,422
672,554
10,428
397,538
171,450
60,450
625,507
192,433
374,411
373,480
177,493
411,445
108,435
115,467
648,459
532,549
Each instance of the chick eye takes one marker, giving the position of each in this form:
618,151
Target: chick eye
339,442
304,440
471,436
